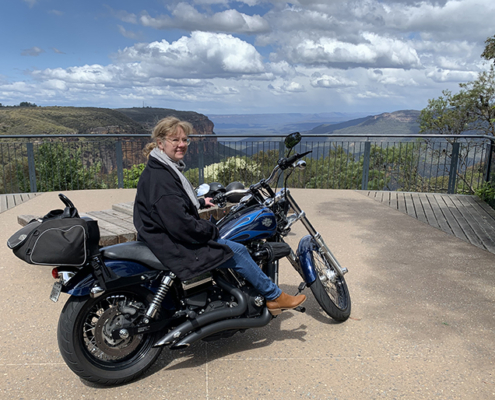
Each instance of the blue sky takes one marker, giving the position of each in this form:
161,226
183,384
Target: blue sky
238,57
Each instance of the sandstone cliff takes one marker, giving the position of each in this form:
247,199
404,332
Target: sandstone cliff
148,117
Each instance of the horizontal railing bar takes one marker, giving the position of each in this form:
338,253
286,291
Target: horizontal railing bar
240,136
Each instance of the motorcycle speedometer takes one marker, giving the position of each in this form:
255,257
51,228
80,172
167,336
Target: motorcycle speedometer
246,198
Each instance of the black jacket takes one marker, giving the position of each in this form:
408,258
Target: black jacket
168,222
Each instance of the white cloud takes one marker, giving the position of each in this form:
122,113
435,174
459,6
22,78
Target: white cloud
287,87
32,52
124,16
190,63
130,34
373,51
30,3
185,16
327,81
442,75
365,53
203,55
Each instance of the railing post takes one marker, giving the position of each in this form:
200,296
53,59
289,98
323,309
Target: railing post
453,168
281,154
201,162
119,158
489,161
31,168
366,165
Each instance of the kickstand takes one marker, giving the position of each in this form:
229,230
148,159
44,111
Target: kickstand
301,287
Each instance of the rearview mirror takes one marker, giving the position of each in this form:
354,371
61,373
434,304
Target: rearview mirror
292,140
201,190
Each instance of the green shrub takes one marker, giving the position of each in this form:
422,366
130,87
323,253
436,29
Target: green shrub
131,176
486,192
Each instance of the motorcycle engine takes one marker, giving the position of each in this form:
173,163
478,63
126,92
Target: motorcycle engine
201,295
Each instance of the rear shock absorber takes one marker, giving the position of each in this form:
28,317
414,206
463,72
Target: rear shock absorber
165,285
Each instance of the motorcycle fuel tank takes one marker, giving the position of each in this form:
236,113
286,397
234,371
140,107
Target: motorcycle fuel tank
250,224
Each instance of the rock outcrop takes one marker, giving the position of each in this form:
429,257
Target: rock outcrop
148,117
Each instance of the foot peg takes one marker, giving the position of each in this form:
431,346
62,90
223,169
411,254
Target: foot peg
300,309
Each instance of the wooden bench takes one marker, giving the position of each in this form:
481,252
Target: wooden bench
116,225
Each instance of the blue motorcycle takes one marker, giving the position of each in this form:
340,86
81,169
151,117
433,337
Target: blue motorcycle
125,306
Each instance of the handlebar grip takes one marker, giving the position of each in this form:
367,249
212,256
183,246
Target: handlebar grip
285,163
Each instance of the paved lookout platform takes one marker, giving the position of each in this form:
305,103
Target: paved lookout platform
422,324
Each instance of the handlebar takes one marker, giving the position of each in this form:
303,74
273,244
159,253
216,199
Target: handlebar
285,163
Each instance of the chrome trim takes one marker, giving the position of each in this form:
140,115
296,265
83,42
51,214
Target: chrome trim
301,164
259,301
95,292
271,179
292,219
124,333
325,251
162,291
65,276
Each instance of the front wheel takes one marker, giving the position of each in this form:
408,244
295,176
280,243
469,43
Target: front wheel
88,348
329,288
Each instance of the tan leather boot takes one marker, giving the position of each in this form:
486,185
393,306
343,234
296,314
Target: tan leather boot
284,302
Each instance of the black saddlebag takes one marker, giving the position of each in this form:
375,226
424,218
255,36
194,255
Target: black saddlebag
57,241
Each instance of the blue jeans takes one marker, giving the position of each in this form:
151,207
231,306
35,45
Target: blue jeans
247,268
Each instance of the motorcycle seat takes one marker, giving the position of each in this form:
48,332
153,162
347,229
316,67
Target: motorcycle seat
133,251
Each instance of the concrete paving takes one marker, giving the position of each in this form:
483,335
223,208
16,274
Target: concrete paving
422,323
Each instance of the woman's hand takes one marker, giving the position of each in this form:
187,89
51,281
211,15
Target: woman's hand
209,203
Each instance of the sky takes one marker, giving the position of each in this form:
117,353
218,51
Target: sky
241,57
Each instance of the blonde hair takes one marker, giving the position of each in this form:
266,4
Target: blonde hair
165,128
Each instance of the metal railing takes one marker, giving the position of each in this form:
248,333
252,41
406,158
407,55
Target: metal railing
426,163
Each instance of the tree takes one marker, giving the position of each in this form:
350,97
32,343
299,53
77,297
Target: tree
478,98
27,104
472,109
489,52
447,115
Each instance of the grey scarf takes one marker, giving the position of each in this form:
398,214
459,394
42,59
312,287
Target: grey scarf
178,167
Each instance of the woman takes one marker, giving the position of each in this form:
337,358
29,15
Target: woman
167,220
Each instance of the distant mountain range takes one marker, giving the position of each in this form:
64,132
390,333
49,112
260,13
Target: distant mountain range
398,122
90,120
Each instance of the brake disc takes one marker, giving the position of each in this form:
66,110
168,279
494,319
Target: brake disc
112,319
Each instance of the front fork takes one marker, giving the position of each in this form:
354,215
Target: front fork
323,248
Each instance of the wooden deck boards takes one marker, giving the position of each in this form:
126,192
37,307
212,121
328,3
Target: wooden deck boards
8,201
466,217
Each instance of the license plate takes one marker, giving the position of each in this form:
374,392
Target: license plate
56,289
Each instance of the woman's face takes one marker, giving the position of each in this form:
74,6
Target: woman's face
174,146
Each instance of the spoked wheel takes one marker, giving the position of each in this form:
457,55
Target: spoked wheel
329,288
86,343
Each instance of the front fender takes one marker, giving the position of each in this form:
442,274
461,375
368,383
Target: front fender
82,287
304,250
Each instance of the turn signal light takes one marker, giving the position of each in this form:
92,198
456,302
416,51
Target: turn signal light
55,273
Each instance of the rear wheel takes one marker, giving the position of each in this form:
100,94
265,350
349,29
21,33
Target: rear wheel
329,288
86,344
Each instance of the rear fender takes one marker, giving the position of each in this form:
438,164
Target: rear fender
82,286
304,250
